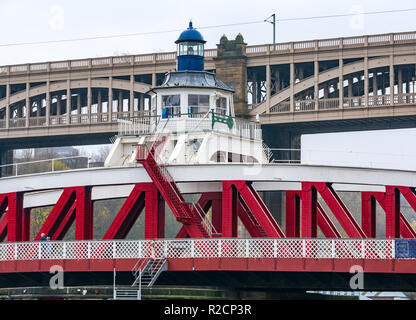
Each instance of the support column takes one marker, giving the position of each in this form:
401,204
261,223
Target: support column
292,85
28,107
154,79
309,206
229,210
131,102
120,101
375,87
400,84
391,70
350,84
14,216
292,214
277,76
110,99
68,101
341,83
154,215
316,82
268,87
392,200
368,214
79,109
140,104
83,214
58,104
8,106
48,103
89,99
39,106
99,103
365,81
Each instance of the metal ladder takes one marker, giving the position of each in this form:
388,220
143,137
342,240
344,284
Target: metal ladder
147,271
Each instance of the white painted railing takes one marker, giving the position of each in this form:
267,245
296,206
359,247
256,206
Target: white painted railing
194,122
200,248
44,166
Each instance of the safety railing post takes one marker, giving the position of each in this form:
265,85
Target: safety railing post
89,250
247,248
114,250
15,251
303,248
192,249
333,249
362,249
64,251
275,248
219,248
39,251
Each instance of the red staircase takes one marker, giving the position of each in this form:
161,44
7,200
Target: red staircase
187,213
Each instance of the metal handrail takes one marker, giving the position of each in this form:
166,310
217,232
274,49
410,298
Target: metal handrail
208,226
53,160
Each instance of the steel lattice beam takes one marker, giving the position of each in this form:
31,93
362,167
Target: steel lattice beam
253,202
396,223
335,204
293,217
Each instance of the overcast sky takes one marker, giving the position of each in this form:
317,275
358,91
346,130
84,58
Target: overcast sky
24,21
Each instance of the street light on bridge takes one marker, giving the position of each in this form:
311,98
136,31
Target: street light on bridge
273,22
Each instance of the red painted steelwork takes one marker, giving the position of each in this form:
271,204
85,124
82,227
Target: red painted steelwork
61,217
15,218
129,212
396,223
335,204
208,200
387,266
325,224
293,199
184,212
257,217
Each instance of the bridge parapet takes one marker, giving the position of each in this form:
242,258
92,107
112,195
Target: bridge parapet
200,248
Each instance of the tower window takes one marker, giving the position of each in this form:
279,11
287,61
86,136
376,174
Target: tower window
191,48
221,106
198,104
171,106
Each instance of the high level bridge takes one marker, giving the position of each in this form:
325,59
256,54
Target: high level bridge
296,83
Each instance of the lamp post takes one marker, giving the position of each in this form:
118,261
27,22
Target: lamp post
273,22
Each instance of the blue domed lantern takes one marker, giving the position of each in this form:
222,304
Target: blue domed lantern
190,50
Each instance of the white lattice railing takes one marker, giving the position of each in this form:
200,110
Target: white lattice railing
201,248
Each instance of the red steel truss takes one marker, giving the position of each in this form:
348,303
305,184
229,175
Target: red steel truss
238,199
396,223
143,195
